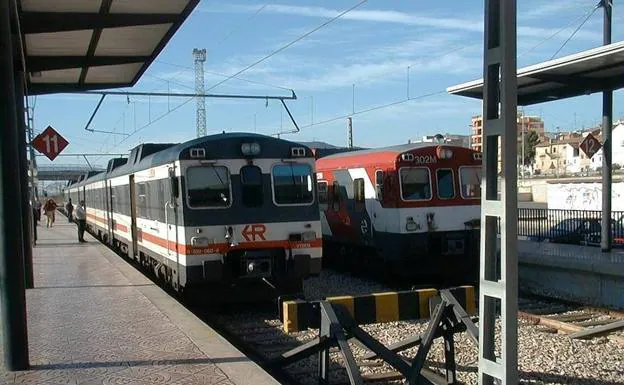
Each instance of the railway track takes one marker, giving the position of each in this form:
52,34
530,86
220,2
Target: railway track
575,320
257,332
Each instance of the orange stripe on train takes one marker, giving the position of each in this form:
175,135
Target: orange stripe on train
216,248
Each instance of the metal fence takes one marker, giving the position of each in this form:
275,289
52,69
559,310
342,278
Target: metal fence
568,226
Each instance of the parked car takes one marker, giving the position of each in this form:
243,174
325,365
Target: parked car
573,231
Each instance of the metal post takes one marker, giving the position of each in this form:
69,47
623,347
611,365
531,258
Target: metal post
27,217
607,124
12,290
350,138
522,139
498,276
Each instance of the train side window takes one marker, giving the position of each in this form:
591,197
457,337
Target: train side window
446,184
251,186
336,196
470,181
142,200
323,197
415,183
358,187
379,184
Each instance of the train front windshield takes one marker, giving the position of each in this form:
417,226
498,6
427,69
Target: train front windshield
208,186
470,179
292,184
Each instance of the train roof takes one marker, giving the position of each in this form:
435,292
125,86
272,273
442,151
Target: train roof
381,154
396,150
216,146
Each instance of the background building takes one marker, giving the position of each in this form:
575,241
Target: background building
525,123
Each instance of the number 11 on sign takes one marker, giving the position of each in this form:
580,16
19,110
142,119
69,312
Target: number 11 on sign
54,140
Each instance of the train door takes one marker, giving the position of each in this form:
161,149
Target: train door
133,251
171,223
109,203
373,206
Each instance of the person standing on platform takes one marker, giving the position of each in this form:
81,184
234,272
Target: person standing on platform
80,214
49,209
38,209
70,209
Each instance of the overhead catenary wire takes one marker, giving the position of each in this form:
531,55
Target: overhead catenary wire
576,30
589,12
374,108
284,47
238,27
222,75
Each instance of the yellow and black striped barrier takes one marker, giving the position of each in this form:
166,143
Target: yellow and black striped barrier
300,315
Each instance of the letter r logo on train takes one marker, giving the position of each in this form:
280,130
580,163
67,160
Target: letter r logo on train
253,233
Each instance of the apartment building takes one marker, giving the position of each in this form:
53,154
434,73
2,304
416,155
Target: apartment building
525,124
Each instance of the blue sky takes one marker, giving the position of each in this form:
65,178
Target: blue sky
370,47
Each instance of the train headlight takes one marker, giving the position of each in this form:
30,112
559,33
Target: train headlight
304,236
410,225
250,149
444,153
200,241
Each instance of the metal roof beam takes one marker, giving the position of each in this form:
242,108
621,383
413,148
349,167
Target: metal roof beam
58,88
569,90
95,39
42,22
568,80
49,63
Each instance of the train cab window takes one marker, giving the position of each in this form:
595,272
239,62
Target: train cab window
415,183
208,186
251,186
323,197
292,184
470,181
446,184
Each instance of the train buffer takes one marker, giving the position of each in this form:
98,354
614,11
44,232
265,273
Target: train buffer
338,319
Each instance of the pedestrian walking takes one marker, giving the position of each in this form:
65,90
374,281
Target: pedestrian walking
69,208
80,214
50,208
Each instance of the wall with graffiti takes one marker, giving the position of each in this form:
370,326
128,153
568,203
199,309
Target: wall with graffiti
583,196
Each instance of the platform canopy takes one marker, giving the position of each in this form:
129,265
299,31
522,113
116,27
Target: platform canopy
79,45
596,70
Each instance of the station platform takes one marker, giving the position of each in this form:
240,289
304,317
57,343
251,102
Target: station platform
583,274
95,319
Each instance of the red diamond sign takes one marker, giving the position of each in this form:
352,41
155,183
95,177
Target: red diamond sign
590,145
50,143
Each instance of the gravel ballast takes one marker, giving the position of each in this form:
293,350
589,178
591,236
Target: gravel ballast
544,357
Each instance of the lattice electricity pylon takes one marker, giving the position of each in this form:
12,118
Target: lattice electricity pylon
200,58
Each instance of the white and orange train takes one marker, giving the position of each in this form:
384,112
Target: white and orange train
415,208
236,211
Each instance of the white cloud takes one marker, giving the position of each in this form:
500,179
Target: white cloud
474,24
555,8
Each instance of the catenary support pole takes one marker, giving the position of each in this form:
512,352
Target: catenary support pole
15,338
607,126
498,274
27,217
